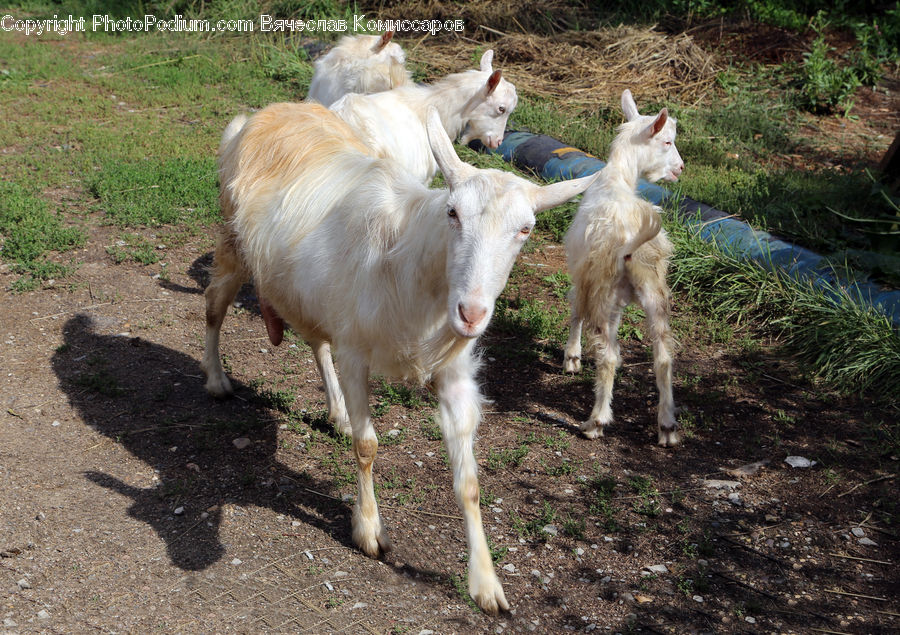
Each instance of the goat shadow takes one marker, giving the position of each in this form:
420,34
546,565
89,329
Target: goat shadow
149,399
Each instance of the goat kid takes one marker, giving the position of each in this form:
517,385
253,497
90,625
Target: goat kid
617,254
359,64
353,251
392,123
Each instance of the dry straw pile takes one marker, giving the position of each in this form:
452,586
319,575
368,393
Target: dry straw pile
584,68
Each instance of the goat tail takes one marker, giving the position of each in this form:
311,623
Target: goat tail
231,131
650,226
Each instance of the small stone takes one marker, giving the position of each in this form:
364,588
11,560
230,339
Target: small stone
241,443
626,597
328,585
9,623
340,574
718,484
347,498
550,529
236,562
657,568
771,518
702,563
698,598
193,466
418,463
868,542
735,499
358,605
43,615
55,424
750,620
24,584
509,567
605,579
858,532
799,461
426,631
394,432
178,511
579,551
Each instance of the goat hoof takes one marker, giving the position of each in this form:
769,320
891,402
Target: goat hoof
488,594
219,387
370,537
343,426
572,364
592,429
668,438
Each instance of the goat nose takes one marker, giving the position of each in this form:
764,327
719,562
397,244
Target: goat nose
471,315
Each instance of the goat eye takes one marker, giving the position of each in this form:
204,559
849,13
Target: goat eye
451,212
668,143
502,109
525,231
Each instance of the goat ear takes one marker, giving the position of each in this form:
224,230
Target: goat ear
492,82
382,42
628,106
558,193
487,61
441,147
658,123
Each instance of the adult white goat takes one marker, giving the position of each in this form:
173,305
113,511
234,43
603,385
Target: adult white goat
617,253
392,123
349,249
359,64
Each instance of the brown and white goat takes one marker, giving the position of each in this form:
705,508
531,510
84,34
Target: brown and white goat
618,254
351,250
359,64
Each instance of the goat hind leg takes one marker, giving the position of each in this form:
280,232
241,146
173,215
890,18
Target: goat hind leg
334,398
656,306
572,352
227,277
607,361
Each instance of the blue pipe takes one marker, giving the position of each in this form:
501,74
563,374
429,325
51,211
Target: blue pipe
555,161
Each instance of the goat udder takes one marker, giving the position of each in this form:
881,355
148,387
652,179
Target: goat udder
274,323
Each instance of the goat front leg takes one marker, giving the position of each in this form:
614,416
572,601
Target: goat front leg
654,298
368,530
227,277
334,398
607,361
460,413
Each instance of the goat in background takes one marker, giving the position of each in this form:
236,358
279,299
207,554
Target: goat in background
359,64
617,254
392,123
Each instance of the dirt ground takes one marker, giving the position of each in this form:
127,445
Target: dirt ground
127,506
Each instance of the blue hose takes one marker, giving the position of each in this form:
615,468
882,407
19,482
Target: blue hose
555,161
